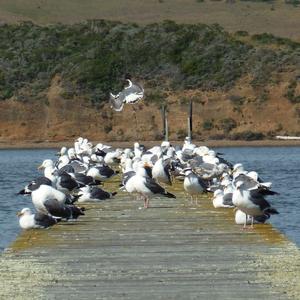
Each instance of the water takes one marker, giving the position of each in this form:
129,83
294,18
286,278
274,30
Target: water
277,164
281,166
17,168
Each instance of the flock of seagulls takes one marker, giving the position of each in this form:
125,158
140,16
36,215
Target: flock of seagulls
79,172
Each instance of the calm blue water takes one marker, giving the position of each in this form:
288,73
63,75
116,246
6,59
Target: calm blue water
17,168
281,165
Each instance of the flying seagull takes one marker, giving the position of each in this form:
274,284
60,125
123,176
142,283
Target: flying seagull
130,94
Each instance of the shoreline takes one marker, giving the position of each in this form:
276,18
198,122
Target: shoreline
123,144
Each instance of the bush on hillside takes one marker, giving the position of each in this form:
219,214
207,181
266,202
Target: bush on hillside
92,58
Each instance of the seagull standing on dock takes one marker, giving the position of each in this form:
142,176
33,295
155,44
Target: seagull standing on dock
161,171
193,184
147,187
251,202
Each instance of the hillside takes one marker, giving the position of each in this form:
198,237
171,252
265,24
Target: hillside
55,80
279,17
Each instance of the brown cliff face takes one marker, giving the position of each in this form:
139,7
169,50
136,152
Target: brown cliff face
216,114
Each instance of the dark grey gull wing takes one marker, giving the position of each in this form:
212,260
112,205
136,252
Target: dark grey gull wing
248,182
187,154
43,180
154,158
224,161
167,169
106,171
78,166
265,191
97,193
66,181
67,169
201,181
259,200
207,166
100,152
116,102
44,220
148,170
86,180
227,199
127,176
155,188
262,218
251,184
132,94
57,209
195,162
35,184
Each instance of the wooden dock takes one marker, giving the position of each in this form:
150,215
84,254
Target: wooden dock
173,250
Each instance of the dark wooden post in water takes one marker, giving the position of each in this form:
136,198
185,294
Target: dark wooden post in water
165,123
190,120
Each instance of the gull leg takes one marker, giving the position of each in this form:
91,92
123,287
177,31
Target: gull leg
245,223
252,221
146,202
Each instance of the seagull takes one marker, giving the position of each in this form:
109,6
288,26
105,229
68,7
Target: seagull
35,184
49,168
240,218
60,210
130,94
193,184
222,200
94,194
161,171
147,187
40,193
116,103
28,220
251,202
66,183
102,173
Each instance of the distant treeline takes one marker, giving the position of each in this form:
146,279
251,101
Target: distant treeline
93,57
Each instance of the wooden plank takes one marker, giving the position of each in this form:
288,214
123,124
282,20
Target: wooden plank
173,250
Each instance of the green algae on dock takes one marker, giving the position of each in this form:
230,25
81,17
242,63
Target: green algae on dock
173,250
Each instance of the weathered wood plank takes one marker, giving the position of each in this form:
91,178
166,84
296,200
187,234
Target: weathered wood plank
173,250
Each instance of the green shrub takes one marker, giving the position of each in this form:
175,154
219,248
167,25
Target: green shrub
237,100
291,92
208,125
227,124
92,58
247,136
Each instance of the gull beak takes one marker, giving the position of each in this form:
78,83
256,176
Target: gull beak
22,192
40,167
19,214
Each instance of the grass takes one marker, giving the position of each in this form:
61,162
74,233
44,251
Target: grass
255,17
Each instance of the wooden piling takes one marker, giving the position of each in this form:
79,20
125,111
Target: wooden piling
190,120
165,123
